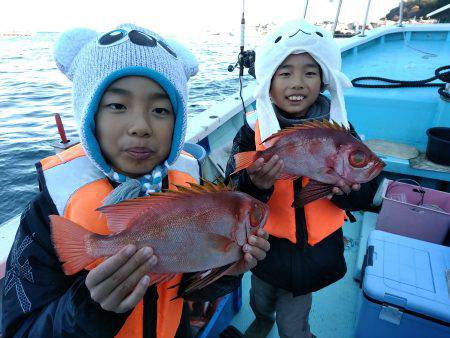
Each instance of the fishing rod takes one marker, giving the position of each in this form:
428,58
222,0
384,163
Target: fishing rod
246,58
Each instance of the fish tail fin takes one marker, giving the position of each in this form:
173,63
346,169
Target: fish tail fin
69,241
244,160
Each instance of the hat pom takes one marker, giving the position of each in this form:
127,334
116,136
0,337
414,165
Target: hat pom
68,46
190,63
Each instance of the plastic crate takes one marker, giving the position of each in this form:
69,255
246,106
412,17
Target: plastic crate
413,211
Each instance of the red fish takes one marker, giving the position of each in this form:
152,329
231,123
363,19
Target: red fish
201,228
325,152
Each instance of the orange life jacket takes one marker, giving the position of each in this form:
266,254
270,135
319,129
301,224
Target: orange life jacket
322,216
83,191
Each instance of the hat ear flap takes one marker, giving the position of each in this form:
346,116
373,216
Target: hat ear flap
190,63
338,82
68,46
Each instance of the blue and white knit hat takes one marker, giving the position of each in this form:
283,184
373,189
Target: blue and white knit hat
296,37
92,61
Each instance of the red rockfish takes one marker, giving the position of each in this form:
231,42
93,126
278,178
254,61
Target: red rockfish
196,229
325,152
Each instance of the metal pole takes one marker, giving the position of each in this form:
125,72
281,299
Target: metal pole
305,9
400,17
243,26
365,20
337,17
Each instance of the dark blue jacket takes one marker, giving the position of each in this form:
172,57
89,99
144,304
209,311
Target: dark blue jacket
299,268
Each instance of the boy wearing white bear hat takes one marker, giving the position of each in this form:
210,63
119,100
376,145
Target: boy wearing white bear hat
129,98
293,66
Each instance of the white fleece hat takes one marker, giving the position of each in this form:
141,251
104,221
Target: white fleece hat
296,37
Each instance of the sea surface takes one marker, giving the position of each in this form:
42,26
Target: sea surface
32,90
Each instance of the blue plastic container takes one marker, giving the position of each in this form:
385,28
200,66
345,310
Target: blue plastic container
404,291
227,309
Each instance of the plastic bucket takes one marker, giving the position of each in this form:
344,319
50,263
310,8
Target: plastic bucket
438,147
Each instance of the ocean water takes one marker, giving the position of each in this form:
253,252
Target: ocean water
32,90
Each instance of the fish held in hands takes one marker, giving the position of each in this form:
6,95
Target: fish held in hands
325,152
196,229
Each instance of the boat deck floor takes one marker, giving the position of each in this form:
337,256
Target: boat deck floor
411,56
333,312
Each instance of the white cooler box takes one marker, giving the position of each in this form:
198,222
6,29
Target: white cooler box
405,290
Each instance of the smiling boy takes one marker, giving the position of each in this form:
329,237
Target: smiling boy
295,64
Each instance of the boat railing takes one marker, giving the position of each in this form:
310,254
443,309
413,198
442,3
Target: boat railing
365,19
305,9
400,16
338,11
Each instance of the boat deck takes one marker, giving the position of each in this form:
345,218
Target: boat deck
400,115
334,308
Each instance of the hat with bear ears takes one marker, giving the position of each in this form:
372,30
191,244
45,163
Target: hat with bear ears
92,61
296,37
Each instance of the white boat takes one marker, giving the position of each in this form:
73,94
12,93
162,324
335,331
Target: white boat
393,121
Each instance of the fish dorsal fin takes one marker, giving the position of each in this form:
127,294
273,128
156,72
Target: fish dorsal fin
313,124
121,215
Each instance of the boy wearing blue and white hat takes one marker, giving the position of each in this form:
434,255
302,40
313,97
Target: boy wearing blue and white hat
129,99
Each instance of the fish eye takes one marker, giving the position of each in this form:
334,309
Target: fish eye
358,159
319,34
278,39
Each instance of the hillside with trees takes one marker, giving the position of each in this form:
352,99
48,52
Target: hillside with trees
419,8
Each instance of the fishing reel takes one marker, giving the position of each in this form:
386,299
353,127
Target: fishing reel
246,59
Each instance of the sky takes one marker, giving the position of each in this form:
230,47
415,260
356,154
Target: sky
174,16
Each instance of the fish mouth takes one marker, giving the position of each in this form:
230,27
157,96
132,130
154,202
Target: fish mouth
377,167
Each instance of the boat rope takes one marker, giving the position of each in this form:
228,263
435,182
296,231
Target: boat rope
440,74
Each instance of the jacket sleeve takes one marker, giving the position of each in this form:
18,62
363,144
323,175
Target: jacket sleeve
361,199
39,300
245,141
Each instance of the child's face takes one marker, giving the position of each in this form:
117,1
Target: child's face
296,84
134,125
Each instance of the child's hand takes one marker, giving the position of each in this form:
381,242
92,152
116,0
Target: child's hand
254,250
120,282
263,174
342,188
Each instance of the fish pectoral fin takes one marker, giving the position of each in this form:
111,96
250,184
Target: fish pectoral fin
202,279
312,191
